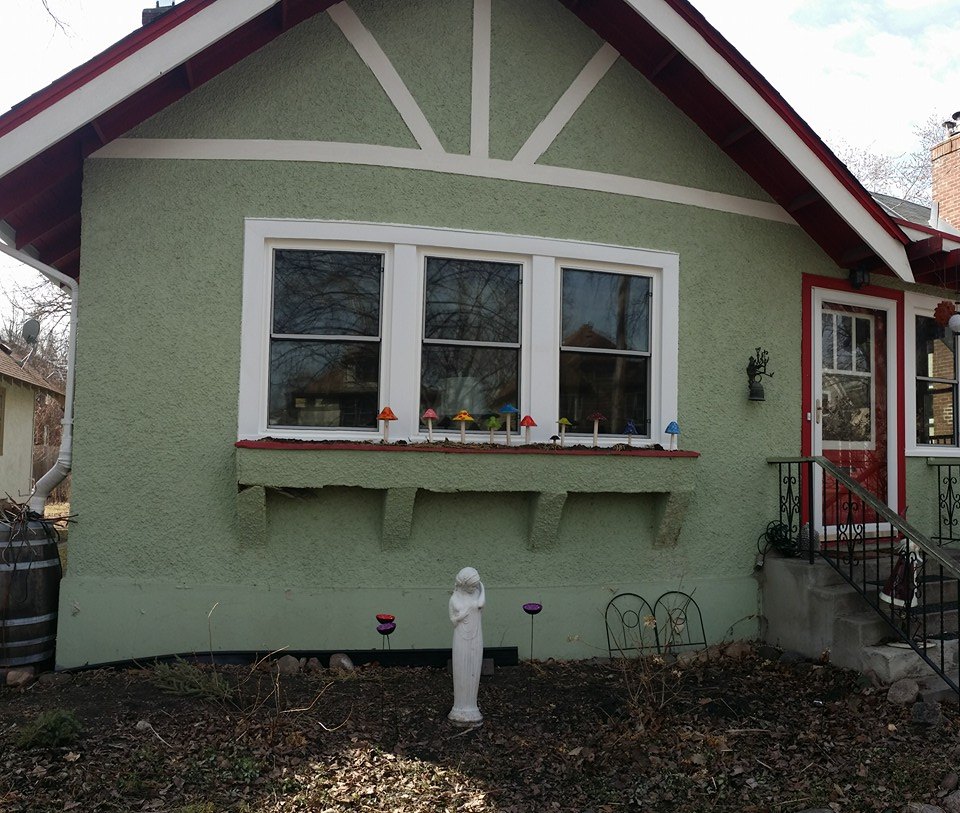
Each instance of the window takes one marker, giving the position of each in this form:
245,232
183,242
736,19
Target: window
325,339
471,338
605,350
342,319
936,383
931,381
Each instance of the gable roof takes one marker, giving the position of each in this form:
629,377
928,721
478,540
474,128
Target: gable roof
9,369
45,139
915,213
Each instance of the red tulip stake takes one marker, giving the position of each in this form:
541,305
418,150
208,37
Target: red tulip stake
597,418
386,415
429,416
526,422
532,609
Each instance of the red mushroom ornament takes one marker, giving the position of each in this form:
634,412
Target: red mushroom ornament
386,415
527,422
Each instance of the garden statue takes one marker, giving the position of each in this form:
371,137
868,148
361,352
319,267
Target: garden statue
466,604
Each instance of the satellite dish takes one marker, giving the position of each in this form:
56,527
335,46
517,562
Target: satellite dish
30,331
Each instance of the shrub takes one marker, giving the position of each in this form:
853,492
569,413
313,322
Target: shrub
186,680
53,728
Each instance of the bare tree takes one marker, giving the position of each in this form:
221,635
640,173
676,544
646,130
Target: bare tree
57,20
907,175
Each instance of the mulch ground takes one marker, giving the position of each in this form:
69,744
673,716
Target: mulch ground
747,735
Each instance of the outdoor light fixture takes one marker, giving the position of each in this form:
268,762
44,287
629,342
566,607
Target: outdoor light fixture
756,369
859,277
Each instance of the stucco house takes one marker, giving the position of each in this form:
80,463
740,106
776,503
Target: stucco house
19,389
285,215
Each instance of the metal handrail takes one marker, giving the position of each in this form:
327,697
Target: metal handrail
884,511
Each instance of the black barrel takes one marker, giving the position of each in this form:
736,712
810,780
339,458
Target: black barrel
29,594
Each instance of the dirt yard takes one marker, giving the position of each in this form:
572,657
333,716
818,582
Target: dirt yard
728,735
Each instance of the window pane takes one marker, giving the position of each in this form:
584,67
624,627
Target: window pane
826,321
317,383
616,386
472,301
935,350
847,408
477,379
332,293
936,407
864,345
844,340
609,311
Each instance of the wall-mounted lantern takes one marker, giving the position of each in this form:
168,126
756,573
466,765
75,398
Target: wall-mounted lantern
756,369
859,276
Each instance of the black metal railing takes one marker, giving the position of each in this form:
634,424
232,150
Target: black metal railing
948,502
906,577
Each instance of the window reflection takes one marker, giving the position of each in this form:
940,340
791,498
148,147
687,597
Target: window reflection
936,383
319,378
604,359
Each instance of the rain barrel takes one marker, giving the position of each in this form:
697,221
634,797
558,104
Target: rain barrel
29,593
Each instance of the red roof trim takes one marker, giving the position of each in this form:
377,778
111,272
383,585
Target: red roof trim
717,41
101,63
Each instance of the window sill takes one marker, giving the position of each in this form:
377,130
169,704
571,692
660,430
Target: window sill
547,476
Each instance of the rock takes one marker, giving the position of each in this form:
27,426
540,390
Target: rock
951,803
669,658
926,714
18,678
768,653
339,662
738,650
288,665
903,692
950,781
917,807
687,658
791,656
313,665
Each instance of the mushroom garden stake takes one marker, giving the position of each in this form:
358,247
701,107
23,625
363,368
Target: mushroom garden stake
673,429
493,424
386,415
563,423
630,430
531,609
508,410
429,416
554,439
526,422
463,418
597,418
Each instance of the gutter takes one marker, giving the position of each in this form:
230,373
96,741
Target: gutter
62,467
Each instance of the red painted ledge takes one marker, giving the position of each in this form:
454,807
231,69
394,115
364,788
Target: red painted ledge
376,446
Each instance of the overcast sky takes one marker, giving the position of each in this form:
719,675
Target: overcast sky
866,71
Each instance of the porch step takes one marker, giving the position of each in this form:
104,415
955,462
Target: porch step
891,663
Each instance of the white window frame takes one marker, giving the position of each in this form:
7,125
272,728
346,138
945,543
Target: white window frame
404,249
918,305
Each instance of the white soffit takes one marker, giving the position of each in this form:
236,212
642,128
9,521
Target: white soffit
125,78
723,76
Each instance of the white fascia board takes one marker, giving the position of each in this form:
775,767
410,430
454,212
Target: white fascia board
121,81
725,78
950,241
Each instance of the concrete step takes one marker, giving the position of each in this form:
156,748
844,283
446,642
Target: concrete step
892,663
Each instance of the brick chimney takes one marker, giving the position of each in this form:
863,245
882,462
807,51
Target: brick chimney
151,14
946,175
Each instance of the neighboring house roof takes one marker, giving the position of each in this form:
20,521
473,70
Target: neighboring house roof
11,370
45,139
907,210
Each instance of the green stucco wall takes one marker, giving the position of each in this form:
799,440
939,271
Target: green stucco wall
163,534
16,461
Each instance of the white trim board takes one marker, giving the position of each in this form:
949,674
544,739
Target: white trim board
369,50
480,81
567,105
330,152
741,94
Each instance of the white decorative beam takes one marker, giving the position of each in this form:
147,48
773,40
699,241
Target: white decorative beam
568,104
480,91
332,152
379,63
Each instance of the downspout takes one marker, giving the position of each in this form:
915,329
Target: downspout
62,467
